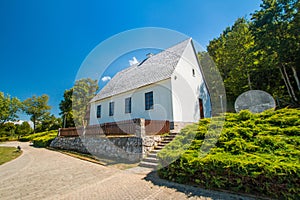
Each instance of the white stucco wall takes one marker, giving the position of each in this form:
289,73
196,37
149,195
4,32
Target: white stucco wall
187,89
162,105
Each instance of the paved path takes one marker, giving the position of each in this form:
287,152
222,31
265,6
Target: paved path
43,174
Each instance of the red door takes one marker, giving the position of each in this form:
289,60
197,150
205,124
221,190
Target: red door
201,108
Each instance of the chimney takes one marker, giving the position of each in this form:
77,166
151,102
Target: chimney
149,55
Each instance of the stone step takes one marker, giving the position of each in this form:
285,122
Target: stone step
165,142
173,132
155,151
150,160
159,147
171,137
148,164
152,155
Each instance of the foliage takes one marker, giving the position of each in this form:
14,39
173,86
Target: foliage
255,153
276,30
66,109
83,91
11,131
232,54
8,154
48,122
262,53
36,135
23,129
7,131
42,139
36,107
45,140
8,108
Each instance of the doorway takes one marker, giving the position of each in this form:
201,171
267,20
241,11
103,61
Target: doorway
201,108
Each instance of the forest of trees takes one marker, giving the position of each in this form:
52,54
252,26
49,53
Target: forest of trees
261,53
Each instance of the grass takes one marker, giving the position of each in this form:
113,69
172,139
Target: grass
8,153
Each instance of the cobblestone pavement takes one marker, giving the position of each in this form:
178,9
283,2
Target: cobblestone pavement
43,174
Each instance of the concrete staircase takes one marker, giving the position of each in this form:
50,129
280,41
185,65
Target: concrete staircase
151,161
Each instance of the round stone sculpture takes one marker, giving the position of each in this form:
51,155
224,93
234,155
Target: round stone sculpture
256,101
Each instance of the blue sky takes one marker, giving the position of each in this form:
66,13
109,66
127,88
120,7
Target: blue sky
43,43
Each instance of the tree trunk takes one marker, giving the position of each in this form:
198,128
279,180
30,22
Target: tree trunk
285,82
289,84
296,77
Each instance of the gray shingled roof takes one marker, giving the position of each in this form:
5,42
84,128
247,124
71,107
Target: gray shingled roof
154,69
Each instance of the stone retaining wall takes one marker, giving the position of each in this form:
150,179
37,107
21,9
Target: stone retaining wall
131,149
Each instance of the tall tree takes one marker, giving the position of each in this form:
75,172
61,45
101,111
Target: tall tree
276,30
76,101
23,129
8,108
7,129
66,109
36,107
233,55
262,53
48,122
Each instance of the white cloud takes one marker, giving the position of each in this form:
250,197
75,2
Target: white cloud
133,61
21,121
106,78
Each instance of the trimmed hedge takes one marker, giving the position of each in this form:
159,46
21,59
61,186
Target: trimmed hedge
42,139
255,153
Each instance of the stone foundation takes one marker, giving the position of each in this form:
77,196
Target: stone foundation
149,142
131,149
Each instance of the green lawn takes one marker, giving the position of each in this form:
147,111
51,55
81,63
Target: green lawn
8,154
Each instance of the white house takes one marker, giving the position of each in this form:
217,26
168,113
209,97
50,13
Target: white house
167,86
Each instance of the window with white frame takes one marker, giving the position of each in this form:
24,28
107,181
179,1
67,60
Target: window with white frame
99,111
149,100
128,105
111,108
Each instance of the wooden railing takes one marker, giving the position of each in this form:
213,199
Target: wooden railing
126,127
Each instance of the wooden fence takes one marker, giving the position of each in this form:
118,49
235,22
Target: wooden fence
126,127
156,127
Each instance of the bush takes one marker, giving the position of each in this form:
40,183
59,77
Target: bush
45,140
255,153
35,135
42,139
3,139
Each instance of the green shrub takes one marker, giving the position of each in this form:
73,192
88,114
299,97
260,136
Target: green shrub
3,139
36,135
42,139
45,140
244,115
255,153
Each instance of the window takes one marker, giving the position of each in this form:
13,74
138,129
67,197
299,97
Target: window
148,100
99,111
111,108
193,71
128,105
